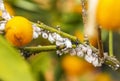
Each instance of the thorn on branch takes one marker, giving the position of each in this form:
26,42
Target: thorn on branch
100,43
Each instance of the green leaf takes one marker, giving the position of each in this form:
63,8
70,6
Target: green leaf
12,66
41,62
26,4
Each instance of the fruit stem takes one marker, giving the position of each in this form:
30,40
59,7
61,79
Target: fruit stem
110,43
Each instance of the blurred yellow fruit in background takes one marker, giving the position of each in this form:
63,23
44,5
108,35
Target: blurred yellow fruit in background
9,9
92,38
73,65
19,31
103,77
108,14
70,6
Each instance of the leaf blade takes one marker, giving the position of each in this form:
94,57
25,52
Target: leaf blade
13,66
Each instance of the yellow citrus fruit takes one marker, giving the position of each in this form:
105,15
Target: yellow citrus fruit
9,9
103,77
19,31
73,65
93,39
108,14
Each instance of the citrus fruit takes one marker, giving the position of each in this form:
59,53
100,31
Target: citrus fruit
108,14
73,65
9,9
18,31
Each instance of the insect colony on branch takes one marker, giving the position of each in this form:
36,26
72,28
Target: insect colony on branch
86,51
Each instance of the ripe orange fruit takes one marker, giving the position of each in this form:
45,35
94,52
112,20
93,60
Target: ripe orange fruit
9,9
73,65
108,14
19,31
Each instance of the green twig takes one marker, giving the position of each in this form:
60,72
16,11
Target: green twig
110,43
45,48
40,48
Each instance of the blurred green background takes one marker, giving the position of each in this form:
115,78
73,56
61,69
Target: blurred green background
47,66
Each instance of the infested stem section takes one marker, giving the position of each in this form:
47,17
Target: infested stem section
112,62
109,60
45,27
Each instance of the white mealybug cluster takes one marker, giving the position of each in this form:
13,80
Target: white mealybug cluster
2,25
52,37
81,50
5,15
89,55
36,31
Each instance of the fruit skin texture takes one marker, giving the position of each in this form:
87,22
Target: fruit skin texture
108,14
19,31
